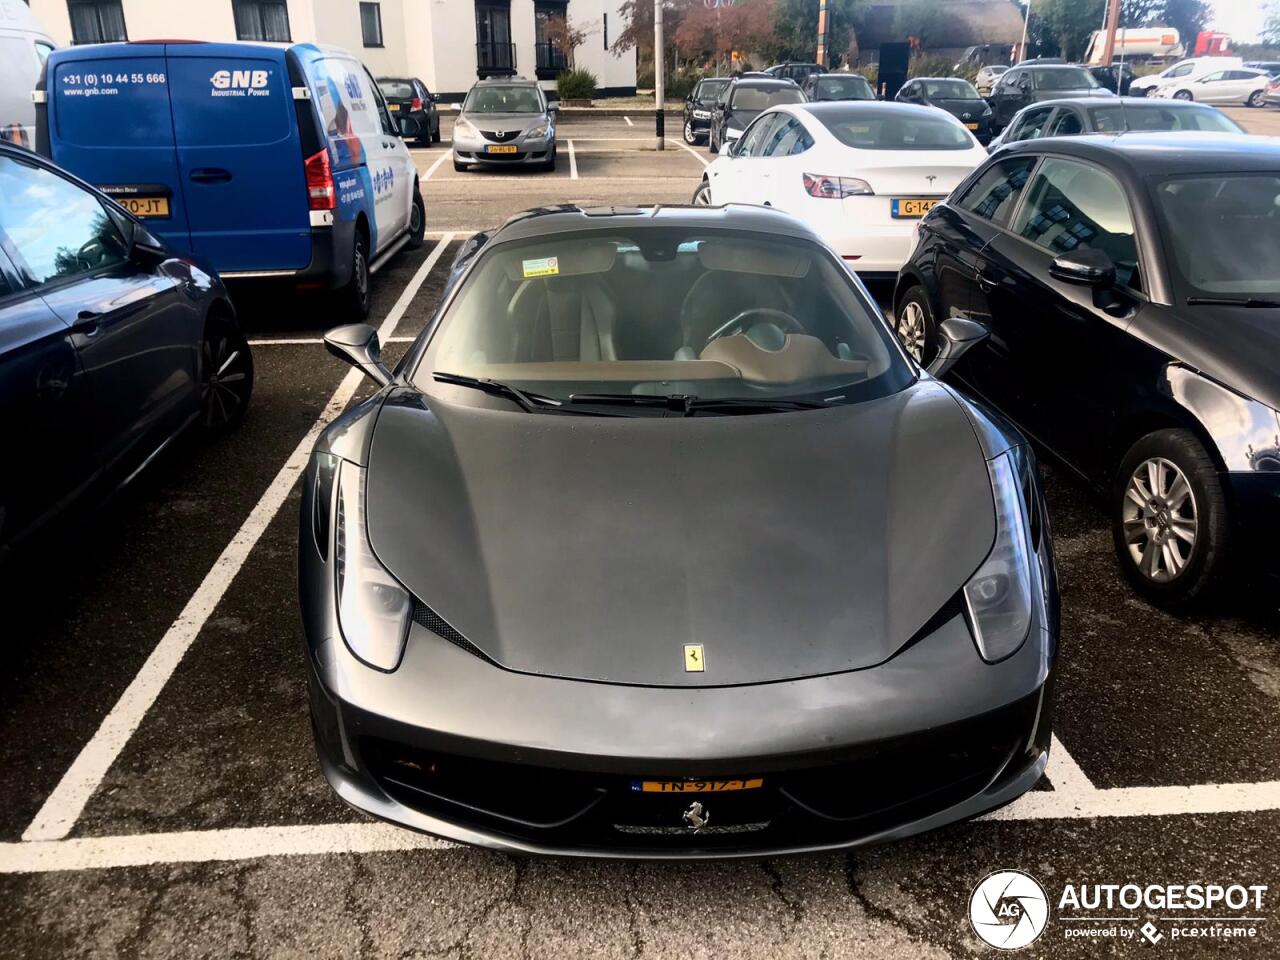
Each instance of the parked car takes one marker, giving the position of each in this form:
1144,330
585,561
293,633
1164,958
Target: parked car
1033,82
409,97
1238,86
698,107
1131,285
505,122
1068,118
744,100
860,174
794,70
266,161
24,47
464,686
109,345
1273,93
987,77
1270,67
1182,70
1117,78
837,86
954,95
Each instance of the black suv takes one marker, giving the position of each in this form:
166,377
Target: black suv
1131,288
742,101
1030,83
698,107
794,70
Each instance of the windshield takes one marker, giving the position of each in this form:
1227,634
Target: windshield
664,311
710,89
878,130
396,89
1151,117
755,99
1222,232
503,100
950,90
1065,78
828,87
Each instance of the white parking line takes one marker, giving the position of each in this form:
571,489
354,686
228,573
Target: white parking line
64,806
573,163
629,123
435,166
692,152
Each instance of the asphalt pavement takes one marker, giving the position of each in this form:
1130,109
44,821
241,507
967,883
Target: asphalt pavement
163,798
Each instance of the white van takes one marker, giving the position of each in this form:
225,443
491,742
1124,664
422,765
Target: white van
1182,70
24,47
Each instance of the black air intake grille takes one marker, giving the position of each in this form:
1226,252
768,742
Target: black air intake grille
426,617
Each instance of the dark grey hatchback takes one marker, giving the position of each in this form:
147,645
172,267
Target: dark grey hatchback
628,557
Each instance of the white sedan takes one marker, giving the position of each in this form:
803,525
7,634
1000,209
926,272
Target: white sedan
860,173
1230,85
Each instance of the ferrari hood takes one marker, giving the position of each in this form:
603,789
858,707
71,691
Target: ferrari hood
785,545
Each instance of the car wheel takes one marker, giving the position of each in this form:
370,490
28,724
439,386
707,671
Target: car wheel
1183,95
226,375
915,326
1256,99
551,161
1170,519
690,135
702,196
355,295
417,221
435,131
458,165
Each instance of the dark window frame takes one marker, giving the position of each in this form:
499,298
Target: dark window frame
96,6
254,9
371,6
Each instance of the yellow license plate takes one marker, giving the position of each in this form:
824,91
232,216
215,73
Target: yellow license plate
495,148
699,786
911,209
972,126
145,206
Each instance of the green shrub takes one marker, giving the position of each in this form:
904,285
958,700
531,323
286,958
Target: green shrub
872,72
644,78
680,87
929,65
576,84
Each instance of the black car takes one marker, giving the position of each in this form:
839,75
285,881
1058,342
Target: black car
698,107
1131,286
753,639
109,347
742,101
408,98
837,86
1029,83
956,96
1117,78
794,70
1071,117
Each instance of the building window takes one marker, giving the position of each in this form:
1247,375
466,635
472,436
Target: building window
549,18
371,24
265,20
96,21
495,53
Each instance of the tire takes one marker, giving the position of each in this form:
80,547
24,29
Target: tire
354,297
550,165
459,166
435,132
690,135
226,375
915,327
1173,545
1256,99
417,221
702,196
1183,95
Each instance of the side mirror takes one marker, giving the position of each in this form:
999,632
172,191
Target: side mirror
145,248
726,148
553,107
958,335
357,343
1085,266
409,127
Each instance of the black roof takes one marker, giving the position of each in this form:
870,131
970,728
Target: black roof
568,218
1164,153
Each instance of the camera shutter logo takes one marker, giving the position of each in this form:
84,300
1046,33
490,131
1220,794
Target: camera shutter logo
1009,909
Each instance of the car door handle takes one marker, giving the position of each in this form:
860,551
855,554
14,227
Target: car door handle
985,283
87,322
210,175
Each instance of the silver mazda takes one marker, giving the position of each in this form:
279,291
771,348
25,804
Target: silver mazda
505,122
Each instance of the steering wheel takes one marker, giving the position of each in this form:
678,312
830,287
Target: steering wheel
738,324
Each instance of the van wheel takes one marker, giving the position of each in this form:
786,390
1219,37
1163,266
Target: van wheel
355,295
226,375
1169,519
914,324
417,221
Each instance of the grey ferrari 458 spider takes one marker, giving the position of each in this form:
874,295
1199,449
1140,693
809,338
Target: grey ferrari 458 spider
656,544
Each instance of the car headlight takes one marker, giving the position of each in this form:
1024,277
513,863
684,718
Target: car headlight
464,127
986,112
998,596
702,114
373,608
534,133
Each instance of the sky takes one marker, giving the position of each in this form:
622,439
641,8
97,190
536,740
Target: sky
1241,19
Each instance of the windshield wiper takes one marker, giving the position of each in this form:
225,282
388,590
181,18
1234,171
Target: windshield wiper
687,406
1231,302
529,402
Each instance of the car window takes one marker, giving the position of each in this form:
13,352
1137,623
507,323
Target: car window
499,99
43,50
757,98
995,193
397,89
787,139
752,141
1071,205
950,90
1181,71
57,228
1031,125
1214,77
1064,78
834,87
1066,124
1162,117
864,129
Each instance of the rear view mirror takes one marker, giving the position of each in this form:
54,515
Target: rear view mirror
357,343
958,335
1086,266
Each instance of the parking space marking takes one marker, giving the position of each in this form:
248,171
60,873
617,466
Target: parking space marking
573,163
629,123
436,166
692,152
64,805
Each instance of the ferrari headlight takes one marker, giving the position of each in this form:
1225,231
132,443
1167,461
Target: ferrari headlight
998,596
373,608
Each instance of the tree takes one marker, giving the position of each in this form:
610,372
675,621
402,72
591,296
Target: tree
1141,13
638,17
705,33
795,24
1070,23
1188,17
925,21
1271,24
562,35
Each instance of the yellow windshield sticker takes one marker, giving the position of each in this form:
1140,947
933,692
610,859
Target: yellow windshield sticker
544,267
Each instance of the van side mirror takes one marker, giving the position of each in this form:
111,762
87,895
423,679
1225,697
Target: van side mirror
1086,266
357,343
958,335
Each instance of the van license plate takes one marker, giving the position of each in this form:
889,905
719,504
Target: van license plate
911,209
499,148
145,206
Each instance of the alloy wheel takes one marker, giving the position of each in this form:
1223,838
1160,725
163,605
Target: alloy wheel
689,136
911,329
702,198
225,378
1160,519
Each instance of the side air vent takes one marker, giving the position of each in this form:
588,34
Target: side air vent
426,617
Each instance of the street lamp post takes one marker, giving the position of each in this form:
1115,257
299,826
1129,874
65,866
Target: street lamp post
659,77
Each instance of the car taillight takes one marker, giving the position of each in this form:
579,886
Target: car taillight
320,190
835,188
417,104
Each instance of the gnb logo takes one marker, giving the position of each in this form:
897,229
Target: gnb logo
239,79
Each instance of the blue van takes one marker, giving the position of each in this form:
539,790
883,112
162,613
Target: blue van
262,161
